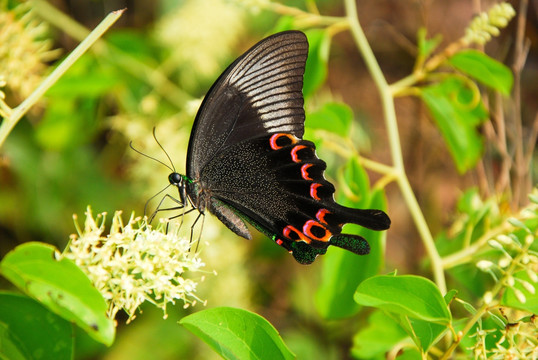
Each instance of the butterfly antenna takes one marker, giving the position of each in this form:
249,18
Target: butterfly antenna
169,159
150,157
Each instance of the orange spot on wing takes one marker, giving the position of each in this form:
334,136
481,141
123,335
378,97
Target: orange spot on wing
310,225
304,171
289,231
294,155
320,215
274,139
314,191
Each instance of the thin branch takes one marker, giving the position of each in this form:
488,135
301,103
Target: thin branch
519,190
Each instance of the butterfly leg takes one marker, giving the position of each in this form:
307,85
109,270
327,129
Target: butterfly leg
160,209
201,229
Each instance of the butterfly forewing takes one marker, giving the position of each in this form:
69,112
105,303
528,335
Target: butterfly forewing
260,93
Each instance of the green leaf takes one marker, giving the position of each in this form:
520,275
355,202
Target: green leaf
450,295
60,286
457,113
486,70
237,334
410,354
333,117
408,295
531,300
368,344
342,271
317,62
425,333
30,331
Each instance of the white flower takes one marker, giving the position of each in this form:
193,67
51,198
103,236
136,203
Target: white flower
484,265
136,263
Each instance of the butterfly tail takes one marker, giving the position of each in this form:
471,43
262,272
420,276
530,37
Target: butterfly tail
369,218
354,243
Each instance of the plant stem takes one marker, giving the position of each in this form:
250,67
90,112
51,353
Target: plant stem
394,142
9,123
464,255
5,110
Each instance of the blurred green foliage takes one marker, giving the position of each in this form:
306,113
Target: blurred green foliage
152,70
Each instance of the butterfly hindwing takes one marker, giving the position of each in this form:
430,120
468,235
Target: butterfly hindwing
276,183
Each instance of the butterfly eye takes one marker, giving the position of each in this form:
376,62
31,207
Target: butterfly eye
175,179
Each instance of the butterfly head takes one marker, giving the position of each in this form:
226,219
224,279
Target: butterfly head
183,184
177,179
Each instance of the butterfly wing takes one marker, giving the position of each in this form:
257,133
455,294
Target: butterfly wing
276,183
248,162
259,93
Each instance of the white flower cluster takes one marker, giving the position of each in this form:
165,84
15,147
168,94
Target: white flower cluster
523,259
25,47
486,25
135,263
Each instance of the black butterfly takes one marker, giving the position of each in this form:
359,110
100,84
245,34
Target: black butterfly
247,161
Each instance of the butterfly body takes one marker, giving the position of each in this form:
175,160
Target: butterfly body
247,161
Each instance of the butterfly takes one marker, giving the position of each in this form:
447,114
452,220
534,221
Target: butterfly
248,163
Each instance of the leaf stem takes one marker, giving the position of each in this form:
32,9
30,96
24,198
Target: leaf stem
18,112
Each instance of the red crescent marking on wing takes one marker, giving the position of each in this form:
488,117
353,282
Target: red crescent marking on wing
272,141
275,137
288,229
304,171
294,155
307,230
320,215
314,191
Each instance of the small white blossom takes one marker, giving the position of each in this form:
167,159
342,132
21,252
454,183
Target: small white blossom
495,244
135,263
520,296
504,239
528,286
484,265
505,261
532,275
486,25
488,297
